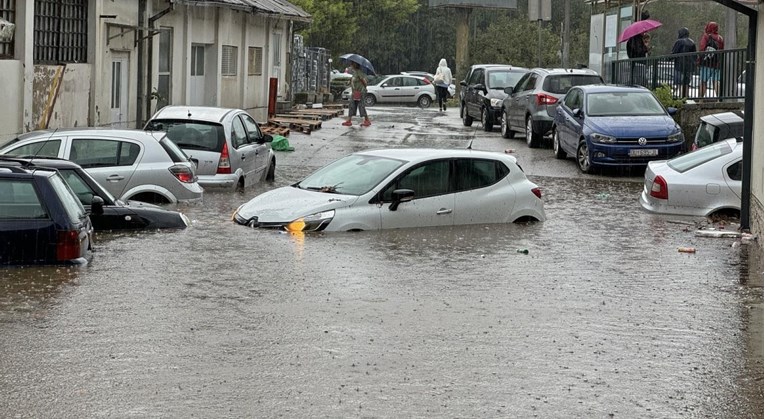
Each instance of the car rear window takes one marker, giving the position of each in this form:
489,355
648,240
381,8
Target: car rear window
193,135
705,134
72,205
175,153
698,157
19,200
561,83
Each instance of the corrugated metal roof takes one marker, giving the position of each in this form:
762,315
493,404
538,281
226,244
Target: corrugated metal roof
280,8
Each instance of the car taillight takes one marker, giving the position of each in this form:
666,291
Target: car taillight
426,80
659,188
224,164
543,99
537,192
183,173
68,245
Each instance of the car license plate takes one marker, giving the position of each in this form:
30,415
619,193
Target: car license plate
644,152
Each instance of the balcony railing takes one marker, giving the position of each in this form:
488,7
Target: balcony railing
655,71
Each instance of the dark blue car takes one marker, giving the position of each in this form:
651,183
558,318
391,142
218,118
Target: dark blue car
41,219
620,126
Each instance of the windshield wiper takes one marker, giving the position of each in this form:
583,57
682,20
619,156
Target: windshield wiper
326,189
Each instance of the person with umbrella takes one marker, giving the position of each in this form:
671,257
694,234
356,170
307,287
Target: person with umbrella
358,89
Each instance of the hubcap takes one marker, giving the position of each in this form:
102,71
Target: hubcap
584,158
528,130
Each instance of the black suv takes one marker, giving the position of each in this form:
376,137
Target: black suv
116,214
483,90
41,219
530,105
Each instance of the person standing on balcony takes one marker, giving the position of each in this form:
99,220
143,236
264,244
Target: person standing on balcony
709,61
684,64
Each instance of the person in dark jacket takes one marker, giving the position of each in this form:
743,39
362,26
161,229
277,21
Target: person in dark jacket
683,65
709,70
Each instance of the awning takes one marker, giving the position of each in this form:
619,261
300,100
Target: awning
276,8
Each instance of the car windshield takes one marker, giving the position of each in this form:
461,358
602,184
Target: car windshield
623,104
499,79
194,135
352,175
698,157
560,84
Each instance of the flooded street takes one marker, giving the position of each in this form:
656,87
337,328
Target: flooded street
602,318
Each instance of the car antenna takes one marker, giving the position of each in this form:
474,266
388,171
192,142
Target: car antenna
34,156
470,144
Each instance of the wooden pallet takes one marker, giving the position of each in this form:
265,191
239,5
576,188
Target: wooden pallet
323,113
297,114
296,125
274,129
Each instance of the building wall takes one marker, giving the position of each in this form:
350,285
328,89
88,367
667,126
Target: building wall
58,94
11,88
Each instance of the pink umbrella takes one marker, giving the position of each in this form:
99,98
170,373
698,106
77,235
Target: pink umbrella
641,26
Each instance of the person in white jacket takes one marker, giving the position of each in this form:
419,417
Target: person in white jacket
442,80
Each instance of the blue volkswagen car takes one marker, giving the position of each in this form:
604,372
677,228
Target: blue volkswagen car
617,126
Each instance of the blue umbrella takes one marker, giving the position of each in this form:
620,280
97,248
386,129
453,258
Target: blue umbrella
366,66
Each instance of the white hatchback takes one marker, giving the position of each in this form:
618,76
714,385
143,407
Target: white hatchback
400,188
703,182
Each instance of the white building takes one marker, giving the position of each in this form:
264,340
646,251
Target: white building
112,63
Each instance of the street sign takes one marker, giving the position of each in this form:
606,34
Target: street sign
540,10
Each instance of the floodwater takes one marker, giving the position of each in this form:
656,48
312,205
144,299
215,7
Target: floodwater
602,318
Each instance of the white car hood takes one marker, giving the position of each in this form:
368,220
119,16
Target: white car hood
290,203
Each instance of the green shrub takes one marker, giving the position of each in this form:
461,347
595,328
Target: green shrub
664,94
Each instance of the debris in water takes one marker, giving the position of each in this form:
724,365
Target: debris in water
686,249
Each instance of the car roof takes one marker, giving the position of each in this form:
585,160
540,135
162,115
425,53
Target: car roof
606,88
198,113
553,71
722,118
421,154
39,162
136,134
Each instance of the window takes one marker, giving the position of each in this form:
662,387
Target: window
688,161
277,47
429,179
197,60
7,12
164,79
38,149
253,131
734,170
573,99
476,77
103,153
255,61
60,31
19,200
116,84
228,61
238,134
474,174
78,185
72,205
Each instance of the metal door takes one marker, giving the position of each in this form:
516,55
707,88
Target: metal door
119,90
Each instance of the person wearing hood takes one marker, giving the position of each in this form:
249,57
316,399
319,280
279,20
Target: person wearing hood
709,70
684,64
442,79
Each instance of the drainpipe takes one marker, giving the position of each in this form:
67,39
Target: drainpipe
746,181
141,72
150,57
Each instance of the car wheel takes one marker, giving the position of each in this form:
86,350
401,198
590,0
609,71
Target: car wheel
504,127
583,157
271,173
532,139
559,153
467,120
370,100
488,124
424,101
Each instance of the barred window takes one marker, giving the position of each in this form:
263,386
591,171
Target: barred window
7,12
61,31
255,62
277,47
228,61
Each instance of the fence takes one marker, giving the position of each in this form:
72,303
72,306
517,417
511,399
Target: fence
678,69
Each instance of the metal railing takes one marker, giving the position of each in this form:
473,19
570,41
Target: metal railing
678,69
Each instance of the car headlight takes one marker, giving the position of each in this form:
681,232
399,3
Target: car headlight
313,222
602,138
496,102
676,137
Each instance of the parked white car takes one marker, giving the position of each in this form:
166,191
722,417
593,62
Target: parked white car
398,88
400,188
230,150
131,164
700,183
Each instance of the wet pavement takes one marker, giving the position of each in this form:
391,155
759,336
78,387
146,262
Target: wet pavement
602,318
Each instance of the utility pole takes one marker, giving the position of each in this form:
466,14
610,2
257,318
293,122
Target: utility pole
566,32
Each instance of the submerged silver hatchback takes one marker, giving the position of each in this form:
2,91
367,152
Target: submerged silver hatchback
131,164
227,144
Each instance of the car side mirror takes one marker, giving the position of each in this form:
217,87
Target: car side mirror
481,87
399,196
671,110
577,112
97,206
463,83
509,90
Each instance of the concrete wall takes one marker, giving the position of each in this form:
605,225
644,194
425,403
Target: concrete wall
58,94
11,88
758,134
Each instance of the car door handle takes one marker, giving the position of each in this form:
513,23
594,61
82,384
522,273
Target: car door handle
444,211
244,157
115,178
